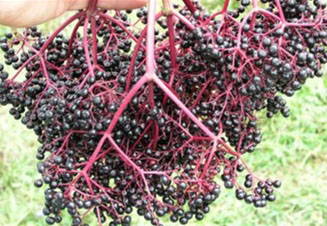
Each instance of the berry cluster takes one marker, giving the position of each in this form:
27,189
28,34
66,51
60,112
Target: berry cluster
147,119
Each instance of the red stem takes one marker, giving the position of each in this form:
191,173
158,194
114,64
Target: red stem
225,8
136,49
92,6
172,47
73,35
130,162
134,56
94,41
208,161
109,18
126,101
189,4
150,51
57,31
178,102
86,47
280,11
173,54
184,20
93,157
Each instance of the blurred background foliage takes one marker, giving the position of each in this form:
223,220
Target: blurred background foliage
293,150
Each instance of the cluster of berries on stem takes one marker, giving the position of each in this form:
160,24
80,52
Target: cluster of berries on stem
145,115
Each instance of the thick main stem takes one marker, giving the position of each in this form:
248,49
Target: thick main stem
135,52
92,6
150,57
136,87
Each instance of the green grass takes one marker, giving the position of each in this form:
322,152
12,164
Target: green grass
293,150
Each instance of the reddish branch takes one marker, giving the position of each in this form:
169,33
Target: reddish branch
210,149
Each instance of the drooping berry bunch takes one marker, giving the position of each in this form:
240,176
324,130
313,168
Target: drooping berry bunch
239,67
148,118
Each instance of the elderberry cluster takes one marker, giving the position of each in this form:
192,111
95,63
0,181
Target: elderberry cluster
111,143
241,67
